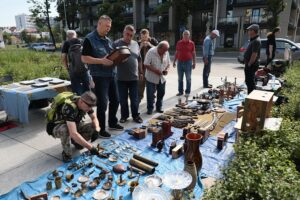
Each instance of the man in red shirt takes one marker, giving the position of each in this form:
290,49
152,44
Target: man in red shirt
186,56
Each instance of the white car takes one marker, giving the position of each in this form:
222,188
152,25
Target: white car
44,47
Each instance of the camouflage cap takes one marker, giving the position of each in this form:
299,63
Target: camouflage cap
89,98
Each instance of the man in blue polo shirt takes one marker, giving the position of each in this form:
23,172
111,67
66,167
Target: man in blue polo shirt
96,47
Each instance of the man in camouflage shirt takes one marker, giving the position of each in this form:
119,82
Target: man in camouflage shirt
68,125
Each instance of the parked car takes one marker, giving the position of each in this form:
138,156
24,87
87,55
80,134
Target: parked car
32,45
281,44
44,47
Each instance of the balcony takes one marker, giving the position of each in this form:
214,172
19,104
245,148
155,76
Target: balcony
241,3
260,20
228,23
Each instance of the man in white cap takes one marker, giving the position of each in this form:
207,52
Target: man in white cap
208,52
251,57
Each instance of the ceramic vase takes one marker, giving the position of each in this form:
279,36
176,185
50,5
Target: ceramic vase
192,151
190,167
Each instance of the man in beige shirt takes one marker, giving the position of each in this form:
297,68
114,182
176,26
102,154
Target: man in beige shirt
157,63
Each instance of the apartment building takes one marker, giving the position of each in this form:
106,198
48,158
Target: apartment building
231,17
24,21
236,15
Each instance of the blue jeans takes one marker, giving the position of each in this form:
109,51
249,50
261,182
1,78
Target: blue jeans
131,88
206,71
106,90
79,84
184,68
151,89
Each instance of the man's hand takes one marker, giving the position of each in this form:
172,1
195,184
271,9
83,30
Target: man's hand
106,62
174,64
94,151
194,66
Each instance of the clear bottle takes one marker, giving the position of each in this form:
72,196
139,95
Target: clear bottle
273,82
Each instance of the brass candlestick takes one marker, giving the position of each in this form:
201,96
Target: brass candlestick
121,181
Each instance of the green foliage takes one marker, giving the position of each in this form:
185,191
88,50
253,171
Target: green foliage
267,164
71,9
41,12
7,38
117,11
274,7
25,64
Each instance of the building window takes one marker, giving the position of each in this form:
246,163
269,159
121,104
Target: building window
255,15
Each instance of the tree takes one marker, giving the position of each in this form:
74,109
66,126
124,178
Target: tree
273,9
40,11
182,8
117,10
71,10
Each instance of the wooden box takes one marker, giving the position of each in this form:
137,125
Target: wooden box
257,108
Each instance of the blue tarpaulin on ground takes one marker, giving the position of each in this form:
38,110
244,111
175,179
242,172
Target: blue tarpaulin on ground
214,161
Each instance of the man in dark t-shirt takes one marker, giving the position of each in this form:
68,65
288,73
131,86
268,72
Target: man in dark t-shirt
251,57
79,83
67,124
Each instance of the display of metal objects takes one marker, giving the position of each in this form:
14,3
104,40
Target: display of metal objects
107,185
153,181
149,193
56,197
83,179
67,190
112,158
100,194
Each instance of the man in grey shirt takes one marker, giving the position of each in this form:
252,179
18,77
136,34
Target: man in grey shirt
251,57
128,74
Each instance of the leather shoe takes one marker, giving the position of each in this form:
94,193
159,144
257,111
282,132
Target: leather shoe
160,111
149,112
179,94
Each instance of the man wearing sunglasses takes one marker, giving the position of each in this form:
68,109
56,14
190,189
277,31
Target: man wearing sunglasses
68,124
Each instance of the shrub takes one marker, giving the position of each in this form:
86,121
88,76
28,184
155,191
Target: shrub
266,164
25,64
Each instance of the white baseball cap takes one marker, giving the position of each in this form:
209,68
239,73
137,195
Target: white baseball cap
216,32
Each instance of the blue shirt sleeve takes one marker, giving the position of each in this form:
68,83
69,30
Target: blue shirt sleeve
206,47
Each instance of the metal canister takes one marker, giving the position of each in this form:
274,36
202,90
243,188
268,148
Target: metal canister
58,182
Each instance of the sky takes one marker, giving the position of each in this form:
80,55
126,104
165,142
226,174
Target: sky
10,8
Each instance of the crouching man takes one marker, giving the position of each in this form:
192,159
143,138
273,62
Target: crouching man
65,122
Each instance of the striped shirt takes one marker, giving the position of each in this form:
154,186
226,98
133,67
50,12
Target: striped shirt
153,58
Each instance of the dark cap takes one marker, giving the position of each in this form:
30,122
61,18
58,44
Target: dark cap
89,98
254,27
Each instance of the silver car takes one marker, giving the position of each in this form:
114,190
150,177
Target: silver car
44,47
281,44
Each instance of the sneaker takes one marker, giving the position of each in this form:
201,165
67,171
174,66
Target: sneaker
117,127
104,134
123,120
77,146
138,119
179,94
149,112
65,157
